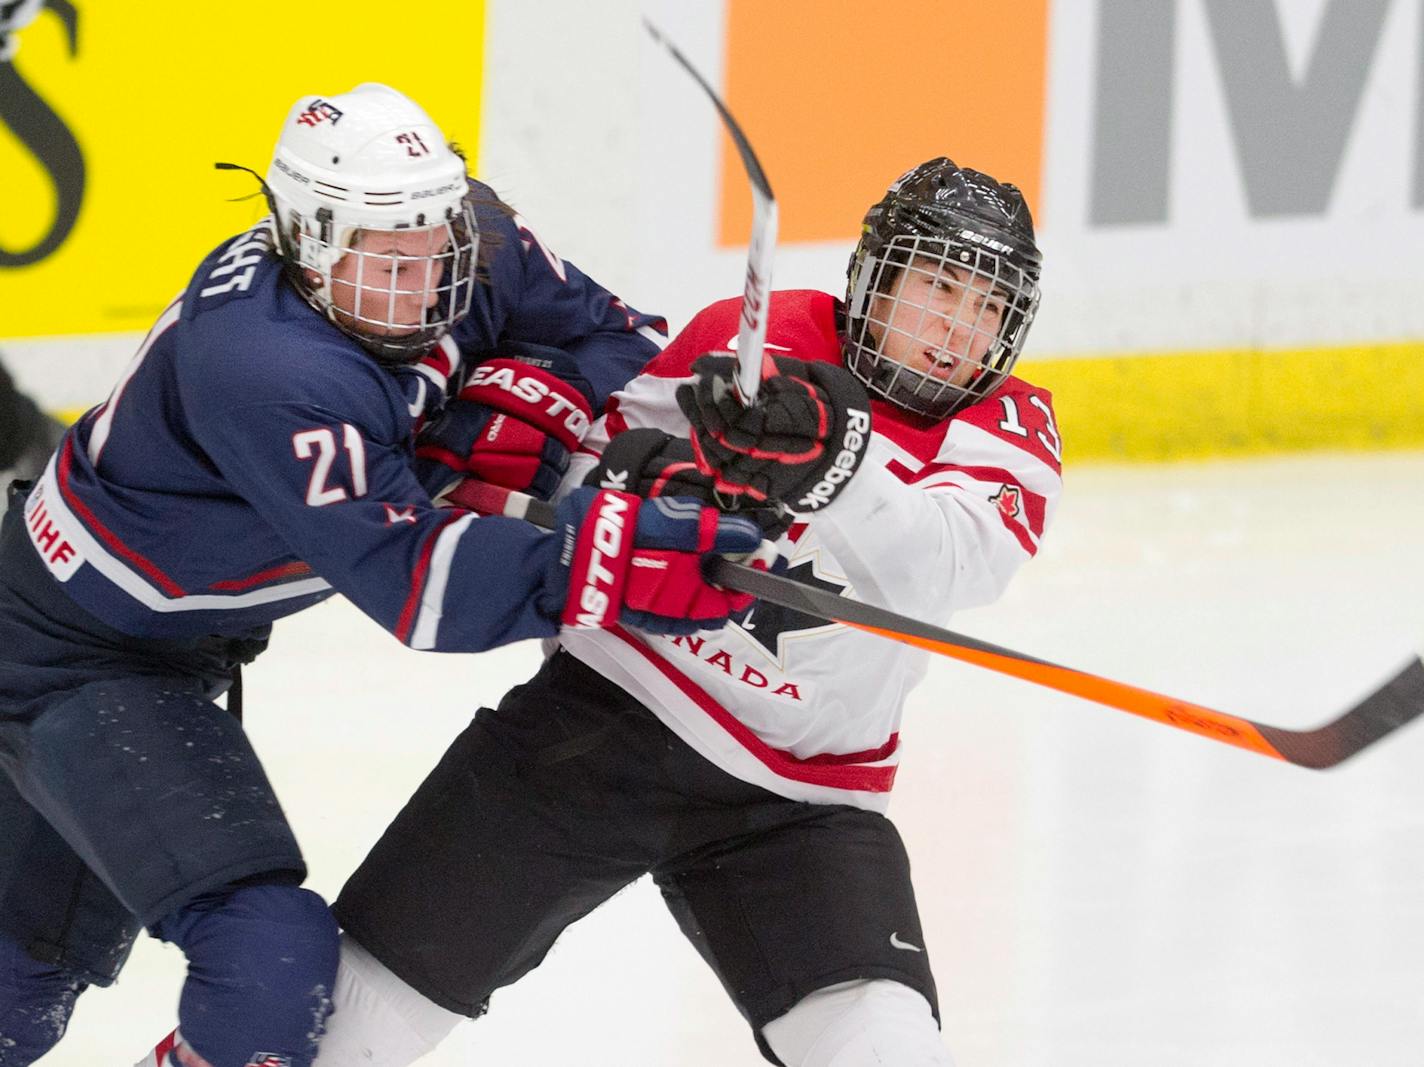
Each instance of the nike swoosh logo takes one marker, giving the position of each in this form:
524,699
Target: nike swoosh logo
418,408
895,942
732,346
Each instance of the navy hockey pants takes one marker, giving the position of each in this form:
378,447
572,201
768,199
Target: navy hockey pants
125,792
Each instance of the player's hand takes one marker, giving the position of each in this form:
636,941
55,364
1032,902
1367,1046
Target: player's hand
628,560
514,426
798,444
651,463
647,463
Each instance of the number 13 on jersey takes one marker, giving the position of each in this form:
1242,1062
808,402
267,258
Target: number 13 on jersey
1047,436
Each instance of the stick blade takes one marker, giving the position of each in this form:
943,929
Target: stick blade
1395,704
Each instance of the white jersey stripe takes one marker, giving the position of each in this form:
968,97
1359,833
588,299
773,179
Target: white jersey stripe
93,552
971,446
432,597
105,421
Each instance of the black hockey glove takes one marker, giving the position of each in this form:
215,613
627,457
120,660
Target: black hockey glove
649,463
797,445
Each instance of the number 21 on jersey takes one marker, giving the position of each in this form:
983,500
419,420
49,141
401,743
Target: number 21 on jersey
320,444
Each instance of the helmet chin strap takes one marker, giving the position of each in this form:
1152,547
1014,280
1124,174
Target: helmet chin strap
321,252
313,258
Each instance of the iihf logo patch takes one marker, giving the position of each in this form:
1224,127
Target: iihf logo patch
269,1059
319,111
1010,501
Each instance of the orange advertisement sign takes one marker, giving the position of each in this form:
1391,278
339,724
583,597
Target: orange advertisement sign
839,99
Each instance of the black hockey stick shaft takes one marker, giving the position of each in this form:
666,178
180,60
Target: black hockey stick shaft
756,295
1397,702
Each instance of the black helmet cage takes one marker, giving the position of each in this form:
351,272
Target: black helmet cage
942,220
453,271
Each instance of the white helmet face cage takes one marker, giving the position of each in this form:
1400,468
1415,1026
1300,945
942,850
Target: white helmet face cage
933,324
374,219
397,292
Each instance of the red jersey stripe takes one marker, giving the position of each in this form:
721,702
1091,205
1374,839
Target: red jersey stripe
88,518
296,569
417,579
808,770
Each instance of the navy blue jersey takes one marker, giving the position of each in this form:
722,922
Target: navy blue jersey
254,459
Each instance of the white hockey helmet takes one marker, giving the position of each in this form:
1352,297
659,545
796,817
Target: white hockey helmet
372,160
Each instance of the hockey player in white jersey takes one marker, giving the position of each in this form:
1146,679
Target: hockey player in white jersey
748,770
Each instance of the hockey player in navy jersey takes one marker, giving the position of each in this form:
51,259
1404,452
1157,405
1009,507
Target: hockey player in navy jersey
257,456
746,770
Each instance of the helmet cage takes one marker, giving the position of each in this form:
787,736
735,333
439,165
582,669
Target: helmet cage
363,302
890,293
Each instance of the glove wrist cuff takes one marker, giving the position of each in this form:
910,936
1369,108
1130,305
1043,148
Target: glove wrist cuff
600,555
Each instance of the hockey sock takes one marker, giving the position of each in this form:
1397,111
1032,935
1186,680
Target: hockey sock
36,1000
859,1024
261,967
378,1020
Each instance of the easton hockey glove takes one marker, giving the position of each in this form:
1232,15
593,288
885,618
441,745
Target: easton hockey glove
514,425
639,562
797,445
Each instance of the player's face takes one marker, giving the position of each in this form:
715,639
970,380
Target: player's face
939,319
384,285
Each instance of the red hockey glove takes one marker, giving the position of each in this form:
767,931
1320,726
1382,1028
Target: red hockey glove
514,426
797,445
628,560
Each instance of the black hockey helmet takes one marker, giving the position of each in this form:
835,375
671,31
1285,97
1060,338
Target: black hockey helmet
943,220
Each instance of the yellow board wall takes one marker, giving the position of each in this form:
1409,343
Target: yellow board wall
153,94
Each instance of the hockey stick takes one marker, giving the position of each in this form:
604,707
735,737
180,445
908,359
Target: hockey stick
1395,703
756,296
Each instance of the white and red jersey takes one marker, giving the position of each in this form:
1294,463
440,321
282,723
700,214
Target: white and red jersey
939,517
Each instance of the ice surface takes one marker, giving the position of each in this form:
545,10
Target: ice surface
1097,890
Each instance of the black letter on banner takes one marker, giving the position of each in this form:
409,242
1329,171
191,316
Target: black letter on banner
45,134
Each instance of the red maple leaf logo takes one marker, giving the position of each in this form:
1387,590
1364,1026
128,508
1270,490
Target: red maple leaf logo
1009,500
